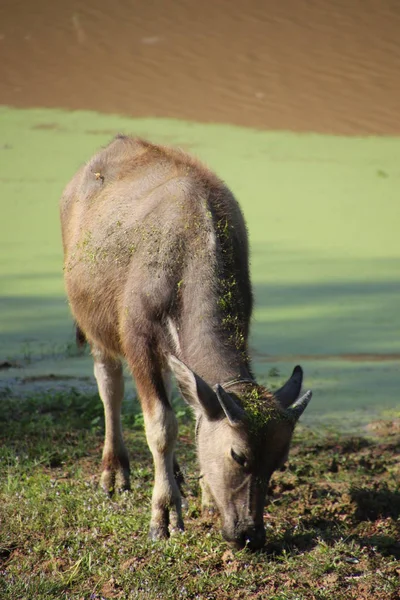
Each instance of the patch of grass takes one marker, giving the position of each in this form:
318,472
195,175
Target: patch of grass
332,519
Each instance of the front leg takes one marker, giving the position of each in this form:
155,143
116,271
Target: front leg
161,432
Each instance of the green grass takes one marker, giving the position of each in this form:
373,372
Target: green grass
323,216
332,521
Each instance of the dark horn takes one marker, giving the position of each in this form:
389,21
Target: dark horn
289,392
296,410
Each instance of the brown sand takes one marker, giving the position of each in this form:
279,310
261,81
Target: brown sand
304,65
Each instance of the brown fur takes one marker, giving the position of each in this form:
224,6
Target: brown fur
156,264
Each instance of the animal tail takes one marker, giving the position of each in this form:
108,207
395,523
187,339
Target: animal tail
80,337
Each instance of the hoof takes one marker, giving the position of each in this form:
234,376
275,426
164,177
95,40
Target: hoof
176,524
175,531
107,482
123,482
158,533
112,482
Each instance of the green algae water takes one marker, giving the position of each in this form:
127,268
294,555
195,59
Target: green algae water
323,216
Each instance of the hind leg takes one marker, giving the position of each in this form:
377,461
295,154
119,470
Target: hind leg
110,381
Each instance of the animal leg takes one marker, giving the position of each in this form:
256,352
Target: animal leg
161,432
180,480
110,381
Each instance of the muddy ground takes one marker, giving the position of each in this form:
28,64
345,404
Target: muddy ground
316,65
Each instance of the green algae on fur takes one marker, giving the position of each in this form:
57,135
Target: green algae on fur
229,299
231,321
261,408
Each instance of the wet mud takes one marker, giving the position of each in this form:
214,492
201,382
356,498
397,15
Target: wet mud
318,65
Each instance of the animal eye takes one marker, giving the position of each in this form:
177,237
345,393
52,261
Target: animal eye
239,458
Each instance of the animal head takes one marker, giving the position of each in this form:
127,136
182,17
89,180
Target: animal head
243,435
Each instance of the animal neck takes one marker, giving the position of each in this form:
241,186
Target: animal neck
214,314
211,353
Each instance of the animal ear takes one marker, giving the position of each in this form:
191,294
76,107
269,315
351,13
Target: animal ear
233,412
195,391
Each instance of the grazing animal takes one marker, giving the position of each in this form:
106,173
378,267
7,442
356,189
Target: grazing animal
157,273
